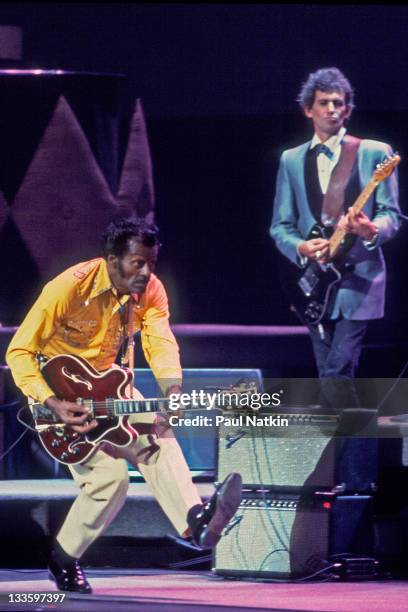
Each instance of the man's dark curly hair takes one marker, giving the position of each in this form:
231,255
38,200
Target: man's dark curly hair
325,79
118,233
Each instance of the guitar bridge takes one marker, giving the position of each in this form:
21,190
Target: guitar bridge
41,412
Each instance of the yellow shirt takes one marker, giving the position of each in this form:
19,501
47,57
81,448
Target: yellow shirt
78,313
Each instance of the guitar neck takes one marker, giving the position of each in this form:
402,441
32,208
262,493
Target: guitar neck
339,234
120,407
113,407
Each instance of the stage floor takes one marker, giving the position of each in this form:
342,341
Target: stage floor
158,591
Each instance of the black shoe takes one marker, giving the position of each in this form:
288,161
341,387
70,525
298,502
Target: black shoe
68,577
217,512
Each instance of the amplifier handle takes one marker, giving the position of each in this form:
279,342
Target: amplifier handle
337,490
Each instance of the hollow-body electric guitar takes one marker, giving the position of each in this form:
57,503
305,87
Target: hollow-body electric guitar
74,379
316,287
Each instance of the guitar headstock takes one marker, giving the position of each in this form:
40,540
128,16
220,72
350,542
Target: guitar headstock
238,395
247,388
387,167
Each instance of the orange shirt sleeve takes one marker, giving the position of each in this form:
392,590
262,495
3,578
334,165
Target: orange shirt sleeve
31,336
159,344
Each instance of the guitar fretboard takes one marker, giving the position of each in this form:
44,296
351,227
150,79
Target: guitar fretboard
121,407
112,407
339,235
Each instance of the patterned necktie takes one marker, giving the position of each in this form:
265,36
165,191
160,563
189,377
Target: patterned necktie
322,148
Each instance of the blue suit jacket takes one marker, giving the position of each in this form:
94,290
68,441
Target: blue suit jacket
362,292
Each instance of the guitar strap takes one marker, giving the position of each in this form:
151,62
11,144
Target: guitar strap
131,343
333,201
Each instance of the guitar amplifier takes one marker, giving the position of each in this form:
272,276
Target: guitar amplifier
283,535
308,452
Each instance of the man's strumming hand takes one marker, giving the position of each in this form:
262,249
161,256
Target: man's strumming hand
75,415
316,248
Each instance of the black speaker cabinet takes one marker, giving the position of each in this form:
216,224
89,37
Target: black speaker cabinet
312,451
282,535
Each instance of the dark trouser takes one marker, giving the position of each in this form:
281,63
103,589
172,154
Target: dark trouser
337,347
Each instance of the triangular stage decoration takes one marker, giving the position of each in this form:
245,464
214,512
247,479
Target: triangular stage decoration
136,188
4,210
64,202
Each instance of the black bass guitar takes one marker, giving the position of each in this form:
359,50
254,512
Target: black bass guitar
317,286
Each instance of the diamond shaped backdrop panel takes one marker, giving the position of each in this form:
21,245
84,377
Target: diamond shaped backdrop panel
136,188
64,202
58,171
4,210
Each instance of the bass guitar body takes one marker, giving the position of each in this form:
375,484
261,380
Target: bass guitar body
316,291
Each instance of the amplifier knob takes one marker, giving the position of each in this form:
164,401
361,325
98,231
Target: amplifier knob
64,456
55,443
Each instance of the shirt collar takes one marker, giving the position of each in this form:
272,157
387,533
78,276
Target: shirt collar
103,283
332,143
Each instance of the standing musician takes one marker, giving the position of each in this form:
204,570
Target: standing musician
309,177
82,312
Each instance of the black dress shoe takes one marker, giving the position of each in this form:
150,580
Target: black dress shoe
68,577
212,519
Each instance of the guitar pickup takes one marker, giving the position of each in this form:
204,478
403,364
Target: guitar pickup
308,282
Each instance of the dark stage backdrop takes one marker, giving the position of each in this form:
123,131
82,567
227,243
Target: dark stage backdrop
218,85
221,59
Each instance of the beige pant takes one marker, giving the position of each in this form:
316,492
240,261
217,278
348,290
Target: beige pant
103,481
